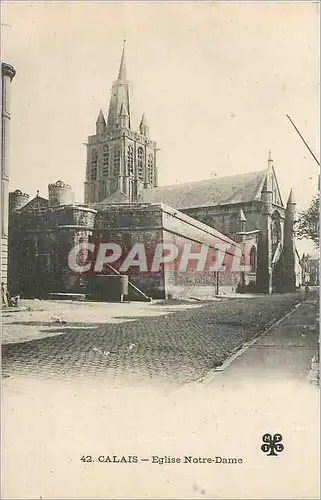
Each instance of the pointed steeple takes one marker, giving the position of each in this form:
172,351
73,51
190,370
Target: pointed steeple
122,67
119,95
144,127
101,118
268,179
288,256
123,116
100,123
143,122
242,220
242,216
291,206
270,162
267,190
291,200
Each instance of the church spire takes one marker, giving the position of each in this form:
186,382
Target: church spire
100,123
270,161
291,206
122,67
144,127
242,220
267,190
123,116
119,95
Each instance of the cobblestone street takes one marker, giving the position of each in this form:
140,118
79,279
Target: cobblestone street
49,422
176,346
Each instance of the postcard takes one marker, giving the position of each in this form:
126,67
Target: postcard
160,250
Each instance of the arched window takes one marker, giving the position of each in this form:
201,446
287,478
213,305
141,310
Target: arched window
140,164
150,166
94,165
116,160
130,160
106,160
253,260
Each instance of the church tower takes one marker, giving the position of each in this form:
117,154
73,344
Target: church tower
119,158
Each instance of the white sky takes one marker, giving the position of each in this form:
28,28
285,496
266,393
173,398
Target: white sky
215,81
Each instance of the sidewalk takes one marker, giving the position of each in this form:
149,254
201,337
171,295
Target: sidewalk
288,350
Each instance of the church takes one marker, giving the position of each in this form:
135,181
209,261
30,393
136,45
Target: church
123,203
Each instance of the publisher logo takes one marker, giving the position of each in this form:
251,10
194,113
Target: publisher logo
272,444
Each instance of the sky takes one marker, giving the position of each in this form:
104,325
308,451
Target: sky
214,79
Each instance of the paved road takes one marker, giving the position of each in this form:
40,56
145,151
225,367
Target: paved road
49,424
178,348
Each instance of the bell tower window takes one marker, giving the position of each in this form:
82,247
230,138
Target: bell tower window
106,160
116,160
150,167
140,163
130,160
94,165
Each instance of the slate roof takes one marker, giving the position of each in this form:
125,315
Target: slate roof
219,191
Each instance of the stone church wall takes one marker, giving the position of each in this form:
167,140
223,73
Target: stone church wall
127,225
226,218
151,224
181,229
40,242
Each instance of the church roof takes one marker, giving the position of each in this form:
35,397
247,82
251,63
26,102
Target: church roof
117,197
35,203
219,191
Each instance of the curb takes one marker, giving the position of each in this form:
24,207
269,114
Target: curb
239,351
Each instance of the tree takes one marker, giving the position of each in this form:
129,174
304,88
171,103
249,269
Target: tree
309,222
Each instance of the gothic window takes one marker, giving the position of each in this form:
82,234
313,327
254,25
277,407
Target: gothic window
130,160
116,160
94,165
253,259
106,160
150,169
140,163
